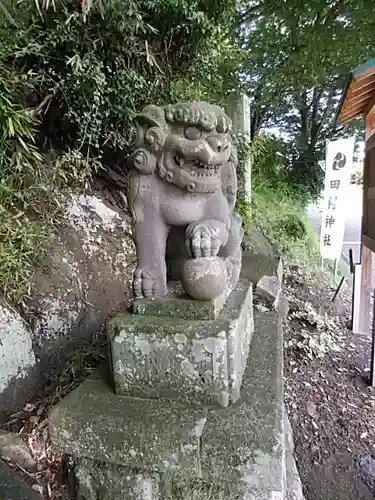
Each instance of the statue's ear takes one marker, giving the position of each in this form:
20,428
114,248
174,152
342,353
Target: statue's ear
142,160
154,116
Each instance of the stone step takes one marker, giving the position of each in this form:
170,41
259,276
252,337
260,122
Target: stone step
128,446
293,486
13,487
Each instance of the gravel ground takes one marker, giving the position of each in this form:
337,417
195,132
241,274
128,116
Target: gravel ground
329,401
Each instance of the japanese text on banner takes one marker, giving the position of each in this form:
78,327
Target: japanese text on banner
339,161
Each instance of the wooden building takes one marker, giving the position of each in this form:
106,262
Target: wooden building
358,99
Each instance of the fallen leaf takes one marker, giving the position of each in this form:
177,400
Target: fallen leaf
311,409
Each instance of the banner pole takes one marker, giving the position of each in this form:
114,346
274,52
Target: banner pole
335,269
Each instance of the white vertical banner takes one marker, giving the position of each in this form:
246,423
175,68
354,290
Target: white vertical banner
339,161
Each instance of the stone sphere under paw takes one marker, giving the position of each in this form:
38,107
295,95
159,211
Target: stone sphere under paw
204,278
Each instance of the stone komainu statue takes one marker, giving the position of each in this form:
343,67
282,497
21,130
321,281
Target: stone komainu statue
182,193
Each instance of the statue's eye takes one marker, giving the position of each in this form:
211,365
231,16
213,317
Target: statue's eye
193,133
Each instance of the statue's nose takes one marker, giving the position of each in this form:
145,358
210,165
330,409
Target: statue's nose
217,144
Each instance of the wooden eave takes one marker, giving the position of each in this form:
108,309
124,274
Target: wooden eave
359,91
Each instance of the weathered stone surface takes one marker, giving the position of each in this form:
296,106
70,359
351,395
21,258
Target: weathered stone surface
204,278
16,353
255,242
93,481
96,480
269,289
17,360
85,276
246,443
95,423
182,194
178,305
293,485
198,361
259,265
366,468
235,453
12,487
239,111
14,449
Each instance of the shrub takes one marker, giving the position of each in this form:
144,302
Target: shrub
84,76
278,205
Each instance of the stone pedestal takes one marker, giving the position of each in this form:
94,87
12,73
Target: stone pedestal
132,448
191,351
197,413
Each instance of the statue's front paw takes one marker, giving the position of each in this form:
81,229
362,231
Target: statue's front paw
202,241
148,285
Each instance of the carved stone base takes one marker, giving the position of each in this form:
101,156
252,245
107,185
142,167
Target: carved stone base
165,353
125,448
178,305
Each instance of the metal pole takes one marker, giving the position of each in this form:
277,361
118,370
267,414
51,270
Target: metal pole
335,270
351,261
338,289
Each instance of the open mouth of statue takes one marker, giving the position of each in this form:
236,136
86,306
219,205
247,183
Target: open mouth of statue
197,168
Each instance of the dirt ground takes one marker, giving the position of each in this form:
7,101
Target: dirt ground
329,402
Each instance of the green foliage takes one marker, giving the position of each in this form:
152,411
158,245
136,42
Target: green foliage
70,84
214,76
20,167
30,202
357,175
278,205
298,56
121,56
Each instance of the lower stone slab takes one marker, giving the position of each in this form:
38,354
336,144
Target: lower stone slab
94,422
292,478
93,480
169,448
201,361
12,487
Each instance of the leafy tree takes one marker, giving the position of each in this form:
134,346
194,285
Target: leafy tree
298,55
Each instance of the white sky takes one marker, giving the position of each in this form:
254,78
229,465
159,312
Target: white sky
278,133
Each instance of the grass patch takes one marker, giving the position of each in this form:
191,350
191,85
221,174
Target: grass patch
279,207
21,194
281,217
30,201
